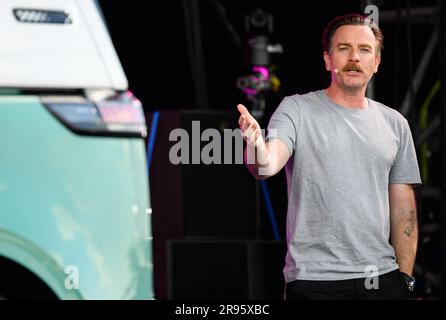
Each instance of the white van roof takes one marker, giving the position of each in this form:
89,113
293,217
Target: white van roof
57,44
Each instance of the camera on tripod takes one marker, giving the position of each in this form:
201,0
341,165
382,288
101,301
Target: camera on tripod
259,25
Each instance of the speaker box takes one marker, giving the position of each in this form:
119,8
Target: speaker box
215,270
198,201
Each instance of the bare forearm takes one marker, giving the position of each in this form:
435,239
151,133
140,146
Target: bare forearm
258,161
404,237
263,159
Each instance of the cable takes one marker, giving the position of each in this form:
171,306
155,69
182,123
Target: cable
270,210
221,12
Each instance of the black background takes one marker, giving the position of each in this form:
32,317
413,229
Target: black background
150,39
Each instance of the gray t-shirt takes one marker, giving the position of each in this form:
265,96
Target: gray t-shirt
343,160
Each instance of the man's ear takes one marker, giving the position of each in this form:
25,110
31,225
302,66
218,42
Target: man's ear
327,61
377,62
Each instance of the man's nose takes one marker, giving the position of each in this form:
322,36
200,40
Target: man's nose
354,55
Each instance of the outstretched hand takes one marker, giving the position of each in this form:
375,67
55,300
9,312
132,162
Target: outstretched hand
249,126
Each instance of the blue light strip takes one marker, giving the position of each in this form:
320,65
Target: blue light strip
270,210
151,140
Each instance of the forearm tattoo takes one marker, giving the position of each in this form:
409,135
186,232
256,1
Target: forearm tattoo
411,223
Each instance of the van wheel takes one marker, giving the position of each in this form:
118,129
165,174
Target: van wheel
17,282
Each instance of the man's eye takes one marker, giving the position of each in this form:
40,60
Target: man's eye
367,50
342,48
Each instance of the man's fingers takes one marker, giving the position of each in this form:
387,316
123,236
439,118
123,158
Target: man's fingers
248,134
251,133
246,125
243,124
241,120
253,126
244,112
241,108
254,135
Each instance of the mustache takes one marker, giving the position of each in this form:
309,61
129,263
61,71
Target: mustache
352,67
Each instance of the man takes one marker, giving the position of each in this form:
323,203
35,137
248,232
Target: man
351,167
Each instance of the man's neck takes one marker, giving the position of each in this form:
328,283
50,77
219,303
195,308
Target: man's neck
354,99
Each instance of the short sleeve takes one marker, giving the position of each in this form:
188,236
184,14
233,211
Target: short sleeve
284,122
405,167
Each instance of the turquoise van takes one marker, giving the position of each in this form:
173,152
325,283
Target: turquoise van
74,193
